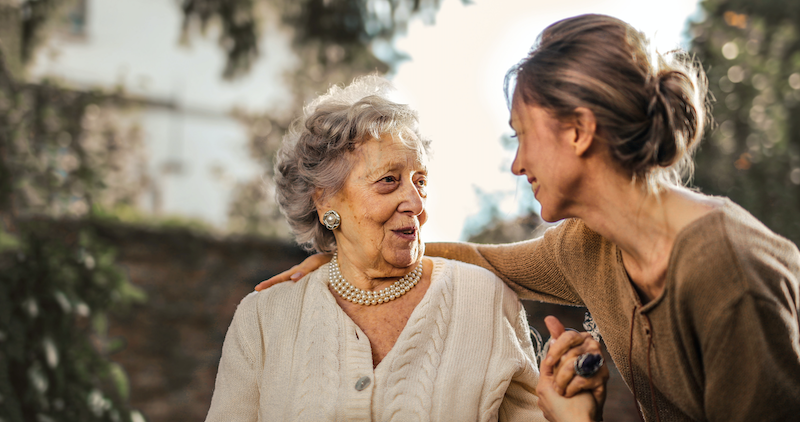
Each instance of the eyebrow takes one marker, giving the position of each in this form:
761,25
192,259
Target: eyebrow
391,166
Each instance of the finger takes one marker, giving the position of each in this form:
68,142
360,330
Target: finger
279,278
309,265
546,366
314,261
578,384
596,383
555,326
588,346
297,272
564,368
563,374
544,391
599,391
599,394
573,343
566,341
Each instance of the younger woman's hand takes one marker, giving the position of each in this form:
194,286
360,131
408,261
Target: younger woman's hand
559,364
297,272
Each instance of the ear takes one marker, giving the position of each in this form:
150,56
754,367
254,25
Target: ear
321,205
585,127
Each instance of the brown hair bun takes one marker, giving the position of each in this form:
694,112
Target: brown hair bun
650,108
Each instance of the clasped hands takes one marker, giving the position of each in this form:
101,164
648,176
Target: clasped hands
564,395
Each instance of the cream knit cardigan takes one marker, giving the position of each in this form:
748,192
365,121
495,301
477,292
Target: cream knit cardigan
292,354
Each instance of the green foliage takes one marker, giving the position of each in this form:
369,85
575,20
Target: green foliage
337,30
55,293
57,156
751,51
126,214
334,40
62,150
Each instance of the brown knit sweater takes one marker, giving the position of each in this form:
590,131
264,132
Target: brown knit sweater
721,343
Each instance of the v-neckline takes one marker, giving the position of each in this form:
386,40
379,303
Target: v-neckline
679,238
412,318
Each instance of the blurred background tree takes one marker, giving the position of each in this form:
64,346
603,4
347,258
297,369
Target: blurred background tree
336,41
751,51
59,150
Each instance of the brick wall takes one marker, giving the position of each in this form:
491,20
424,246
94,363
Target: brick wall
193,283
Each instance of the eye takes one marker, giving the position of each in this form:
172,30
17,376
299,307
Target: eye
389,179
422,186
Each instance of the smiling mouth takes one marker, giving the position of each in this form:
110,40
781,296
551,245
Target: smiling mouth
534,185
407,232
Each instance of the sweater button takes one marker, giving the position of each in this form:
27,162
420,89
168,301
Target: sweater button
362,383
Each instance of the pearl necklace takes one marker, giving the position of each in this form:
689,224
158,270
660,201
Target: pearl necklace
366,297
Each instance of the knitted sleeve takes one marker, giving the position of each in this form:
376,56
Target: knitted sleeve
753,363
531,268
236,394
520,402
737,294
752,352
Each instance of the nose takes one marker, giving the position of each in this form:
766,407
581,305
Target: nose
516,165
413,200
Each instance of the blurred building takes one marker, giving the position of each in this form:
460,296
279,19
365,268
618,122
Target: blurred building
195,149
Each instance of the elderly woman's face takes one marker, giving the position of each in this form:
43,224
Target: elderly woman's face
382,205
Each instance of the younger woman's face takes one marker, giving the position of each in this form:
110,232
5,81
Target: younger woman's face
545,157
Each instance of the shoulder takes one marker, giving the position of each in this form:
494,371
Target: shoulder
448,271
578,240
565,241
581,253
281,300
729,253
750,239
470,283
444,268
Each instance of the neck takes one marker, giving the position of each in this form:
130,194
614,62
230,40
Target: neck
635,221
372,277
354,294
643,225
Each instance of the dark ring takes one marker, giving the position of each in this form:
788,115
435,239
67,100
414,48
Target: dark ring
588,364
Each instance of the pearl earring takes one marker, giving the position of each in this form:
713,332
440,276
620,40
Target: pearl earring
331,219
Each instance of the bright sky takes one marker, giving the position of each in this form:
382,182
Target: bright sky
455,80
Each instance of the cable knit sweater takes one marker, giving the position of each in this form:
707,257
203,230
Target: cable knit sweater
721,343
291,353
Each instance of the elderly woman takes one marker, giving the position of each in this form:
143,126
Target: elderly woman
379,333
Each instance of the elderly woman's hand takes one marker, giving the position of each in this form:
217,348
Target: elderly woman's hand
559,364
297,272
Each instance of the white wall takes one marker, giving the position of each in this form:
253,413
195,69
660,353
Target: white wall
134,44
